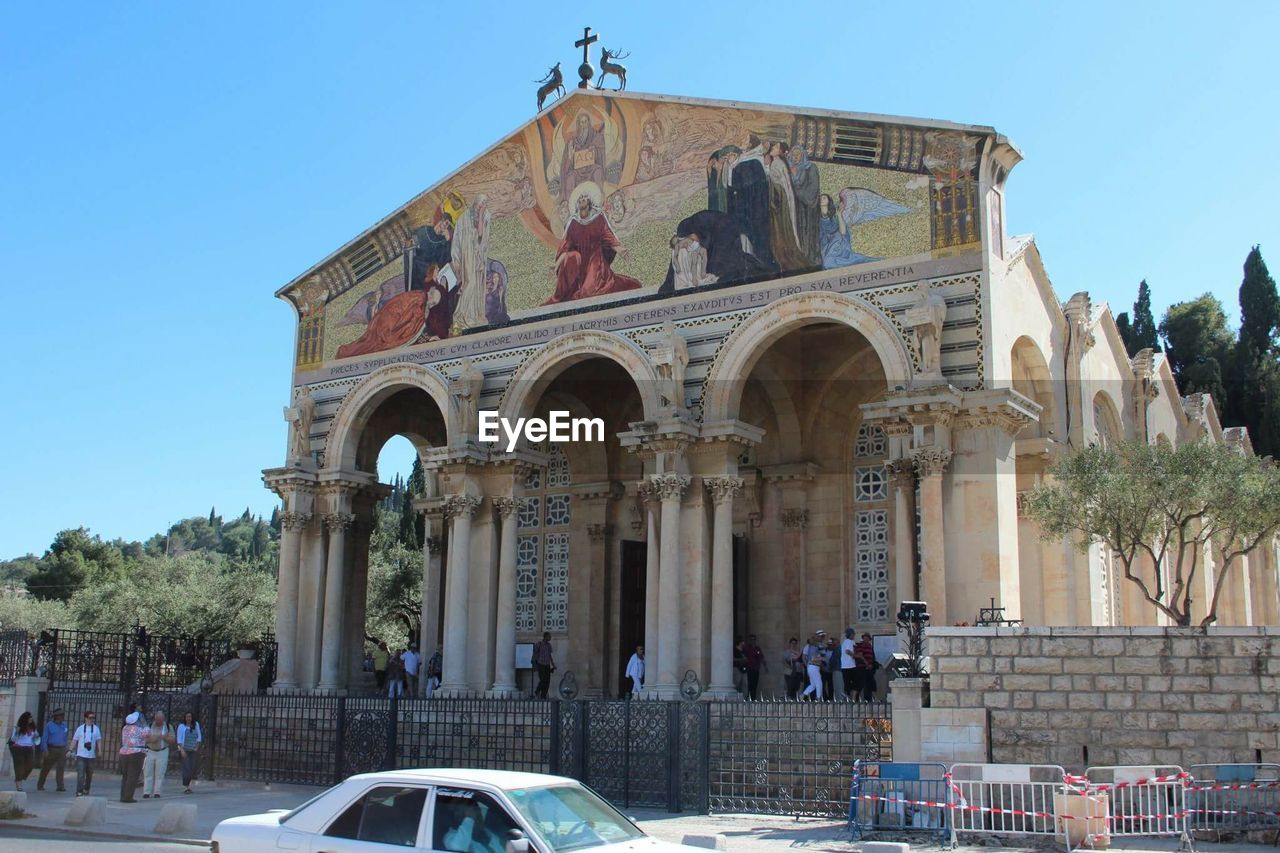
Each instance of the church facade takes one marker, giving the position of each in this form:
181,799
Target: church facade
825,373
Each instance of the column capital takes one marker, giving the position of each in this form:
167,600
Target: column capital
795,519
931,461
505,506
669,487
902,471
457,505
339,521
723,489
294,520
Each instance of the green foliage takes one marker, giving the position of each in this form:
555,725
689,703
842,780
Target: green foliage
74,559
1143,334
1257,391
394,609
17,570
1125,328
1259,308
202,594
21,612
1200,347
1154,505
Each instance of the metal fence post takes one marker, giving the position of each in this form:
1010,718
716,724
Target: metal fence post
211,734
393,720
674,757
340,741
553,760
582,738
704,800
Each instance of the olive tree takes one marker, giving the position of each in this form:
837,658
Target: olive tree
1159,509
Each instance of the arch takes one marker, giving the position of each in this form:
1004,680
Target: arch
747,343
362,401
1029,375
531,379
1107,426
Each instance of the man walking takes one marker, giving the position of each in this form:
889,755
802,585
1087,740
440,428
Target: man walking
849,665
411,661
85,744
53,750
545,664
635,670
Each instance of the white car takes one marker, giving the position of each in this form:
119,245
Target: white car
451,811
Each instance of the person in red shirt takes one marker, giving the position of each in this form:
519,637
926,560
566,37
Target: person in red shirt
864,654
755,660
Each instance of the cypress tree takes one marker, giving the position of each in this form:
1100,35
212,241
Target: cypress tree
1259,308
1143,333
1257,397
1125,328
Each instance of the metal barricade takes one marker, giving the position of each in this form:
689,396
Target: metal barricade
1006,799
899,796
1144,801
1233,797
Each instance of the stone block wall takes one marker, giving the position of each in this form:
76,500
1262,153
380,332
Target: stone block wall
1101,696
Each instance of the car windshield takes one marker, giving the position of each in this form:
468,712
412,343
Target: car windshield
569,817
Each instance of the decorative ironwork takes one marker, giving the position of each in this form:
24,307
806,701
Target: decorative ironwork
988,616
137,662
366,739
913,617
568,689
690,686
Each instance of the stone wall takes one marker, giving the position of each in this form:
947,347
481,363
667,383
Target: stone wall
1100,696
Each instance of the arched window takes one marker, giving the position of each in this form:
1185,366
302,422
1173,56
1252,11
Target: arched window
542,547
870,525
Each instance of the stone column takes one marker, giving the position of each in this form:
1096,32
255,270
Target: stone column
652,575
723,491
670,489
335,602
291,526
593,658
904,531
357,595
429,640
459,509
504,653
930,463
310,604
795,568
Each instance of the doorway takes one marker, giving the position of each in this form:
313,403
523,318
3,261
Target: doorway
631,607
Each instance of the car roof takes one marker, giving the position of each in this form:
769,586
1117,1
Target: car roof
502,779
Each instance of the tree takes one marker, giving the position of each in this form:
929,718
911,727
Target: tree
1143,335
74,558
1200,347
1154,506
20,612
1259,308
1257,391
1125,328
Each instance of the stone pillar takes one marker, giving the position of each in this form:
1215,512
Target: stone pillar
652,574
357,596
291,526
430,639
593,665
459,509
335,602
795,567
723,491
310,604
930,463
908,701
904,531
504,653
670,489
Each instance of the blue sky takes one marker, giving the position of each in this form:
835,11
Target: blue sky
164,167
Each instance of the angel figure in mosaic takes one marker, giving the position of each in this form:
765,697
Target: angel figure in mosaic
837,220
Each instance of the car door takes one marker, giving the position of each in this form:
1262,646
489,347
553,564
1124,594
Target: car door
384,818
467,820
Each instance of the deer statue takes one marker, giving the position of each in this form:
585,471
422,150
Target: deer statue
553,82
608,66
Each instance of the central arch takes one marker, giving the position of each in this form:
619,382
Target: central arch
360,404
532,378
749,341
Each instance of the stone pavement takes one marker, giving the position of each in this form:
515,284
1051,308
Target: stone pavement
746,833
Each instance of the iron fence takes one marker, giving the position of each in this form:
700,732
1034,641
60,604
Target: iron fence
17,656
140,662
771,757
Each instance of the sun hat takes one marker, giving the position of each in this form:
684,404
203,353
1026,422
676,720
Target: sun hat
132,719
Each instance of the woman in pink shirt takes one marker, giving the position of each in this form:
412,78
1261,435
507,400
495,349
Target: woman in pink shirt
133,749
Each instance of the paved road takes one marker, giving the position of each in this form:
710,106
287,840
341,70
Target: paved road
18,841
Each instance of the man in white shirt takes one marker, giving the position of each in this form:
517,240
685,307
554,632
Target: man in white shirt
85,742
849,665
635,670
410,660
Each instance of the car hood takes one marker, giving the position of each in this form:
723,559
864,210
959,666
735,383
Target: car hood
253,820
649,844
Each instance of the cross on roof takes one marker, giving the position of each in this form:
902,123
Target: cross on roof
585,42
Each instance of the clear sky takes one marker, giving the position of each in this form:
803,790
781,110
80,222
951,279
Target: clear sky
164,167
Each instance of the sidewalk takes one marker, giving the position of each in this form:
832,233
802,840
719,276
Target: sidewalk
217,801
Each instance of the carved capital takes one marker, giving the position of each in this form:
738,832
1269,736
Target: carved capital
457,505
339,521
723,489
795,519
432,545
902,471
294,520
599,532
931,461
669,487
505,507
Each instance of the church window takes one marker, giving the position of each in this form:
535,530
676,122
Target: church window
870,526
542,547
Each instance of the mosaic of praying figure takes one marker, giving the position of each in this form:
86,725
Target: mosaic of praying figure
806,184
837,221
784,236
720,237
747,198
495,294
